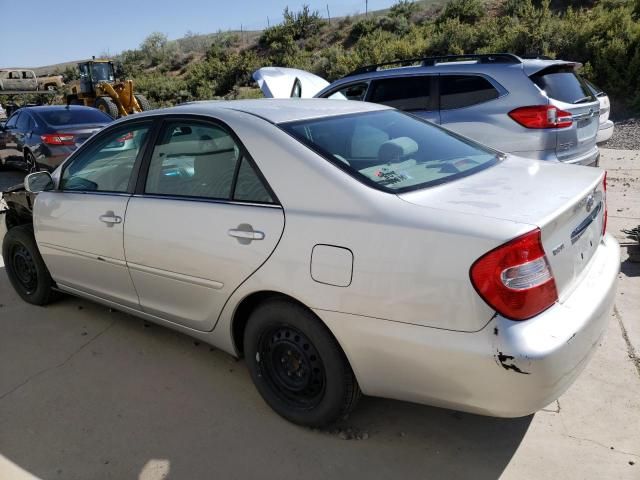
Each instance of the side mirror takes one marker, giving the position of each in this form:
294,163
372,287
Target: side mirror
38,182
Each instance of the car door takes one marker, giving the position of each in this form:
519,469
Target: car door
23,130
414,93
10,152
79,227
202,221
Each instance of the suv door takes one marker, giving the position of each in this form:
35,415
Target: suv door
79,227
415,94
201,222
466,107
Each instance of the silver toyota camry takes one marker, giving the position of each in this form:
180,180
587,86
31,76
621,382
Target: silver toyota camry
340,247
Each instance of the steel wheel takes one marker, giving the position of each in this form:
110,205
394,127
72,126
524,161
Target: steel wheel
24,268
292,366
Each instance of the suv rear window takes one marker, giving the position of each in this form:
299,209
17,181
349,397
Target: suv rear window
404,93
458,91
563,84
391,150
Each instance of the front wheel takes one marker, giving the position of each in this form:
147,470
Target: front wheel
25,267
108,106
297,365
143,102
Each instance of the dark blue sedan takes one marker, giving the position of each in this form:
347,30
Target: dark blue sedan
43,137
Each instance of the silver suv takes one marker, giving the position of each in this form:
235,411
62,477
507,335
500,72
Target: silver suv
534,108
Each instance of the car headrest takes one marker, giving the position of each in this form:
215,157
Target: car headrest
397,149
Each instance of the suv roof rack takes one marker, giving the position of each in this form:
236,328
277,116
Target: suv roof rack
431,61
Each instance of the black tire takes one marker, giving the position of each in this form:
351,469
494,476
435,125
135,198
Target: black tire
108,106
25,268
143,102
31,165
297,365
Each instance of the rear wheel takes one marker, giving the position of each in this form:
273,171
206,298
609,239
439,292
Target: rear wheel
30,162
25,268
143,102
108,106
297,365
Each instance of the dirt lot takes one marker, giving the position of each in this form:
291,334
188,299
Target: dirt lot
86,393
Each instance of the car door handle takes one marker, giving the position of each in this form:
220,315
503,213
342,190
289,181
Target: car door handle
110,219
245,233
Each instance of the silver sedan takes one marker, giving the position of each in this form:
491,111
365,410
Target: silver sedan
340,247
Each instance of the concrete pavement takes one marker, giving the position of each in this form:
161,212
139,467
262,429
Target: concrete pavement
86,393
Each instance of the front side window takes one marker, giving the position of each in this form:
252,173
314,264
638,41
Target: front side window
403,93
458,91
202,160
391,150
106,165
356,91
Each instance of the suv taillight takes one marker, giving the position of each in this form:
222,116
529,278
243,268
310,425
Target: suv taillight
605,215
542,116
515,278
57,138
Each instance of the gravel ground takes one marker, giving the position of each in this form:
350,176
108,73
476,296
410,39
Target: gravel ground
626,135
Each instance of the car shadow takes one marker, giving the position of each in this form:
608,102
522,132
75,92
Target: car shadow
630,265
86,392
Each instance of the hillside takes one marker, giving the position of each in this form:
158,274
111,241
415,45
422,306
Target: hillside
604,35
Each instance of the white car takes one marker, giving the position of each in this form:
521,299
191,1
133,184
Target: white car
605,130
341,247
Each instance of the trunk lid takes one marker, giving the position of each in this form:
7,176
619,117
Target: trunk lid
566,202
280,82
80,132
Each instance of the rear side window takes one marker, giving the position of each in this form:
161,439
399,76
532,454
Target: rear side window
458,91
201,160
23,121
403,93
563,84
355,91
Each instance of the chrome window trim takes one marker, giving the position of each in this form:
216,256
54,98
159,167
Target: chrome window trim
186,198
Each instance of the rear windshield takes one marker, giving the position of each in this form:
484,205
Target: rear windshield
391,150
73,116
563,84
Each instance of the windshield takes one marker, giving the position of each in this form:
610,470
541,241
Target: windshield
102,72
73,116
391,150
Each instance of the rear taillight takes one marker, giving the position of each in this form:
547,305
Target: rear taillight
542,116
515,279
57,139
605,215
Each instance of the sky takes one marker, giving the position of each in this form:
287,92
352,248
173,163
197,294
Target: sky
66,30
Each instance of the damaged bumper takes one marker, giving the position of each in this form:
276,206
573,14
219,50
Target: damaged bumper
507,369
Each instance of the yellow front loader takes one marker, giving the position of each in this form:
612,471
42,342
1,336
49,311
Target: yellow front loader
98,87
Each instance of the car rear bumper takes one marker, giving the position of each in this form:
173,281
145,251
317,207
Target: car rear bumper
605,132
590,158
507,369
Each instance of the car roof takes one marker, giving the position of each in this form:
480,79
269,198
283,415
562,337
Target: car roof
528,65
50,108
274,110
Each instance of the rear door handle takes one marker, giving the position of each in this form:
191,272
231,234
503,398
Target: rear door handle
252,235
245,233
110,218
